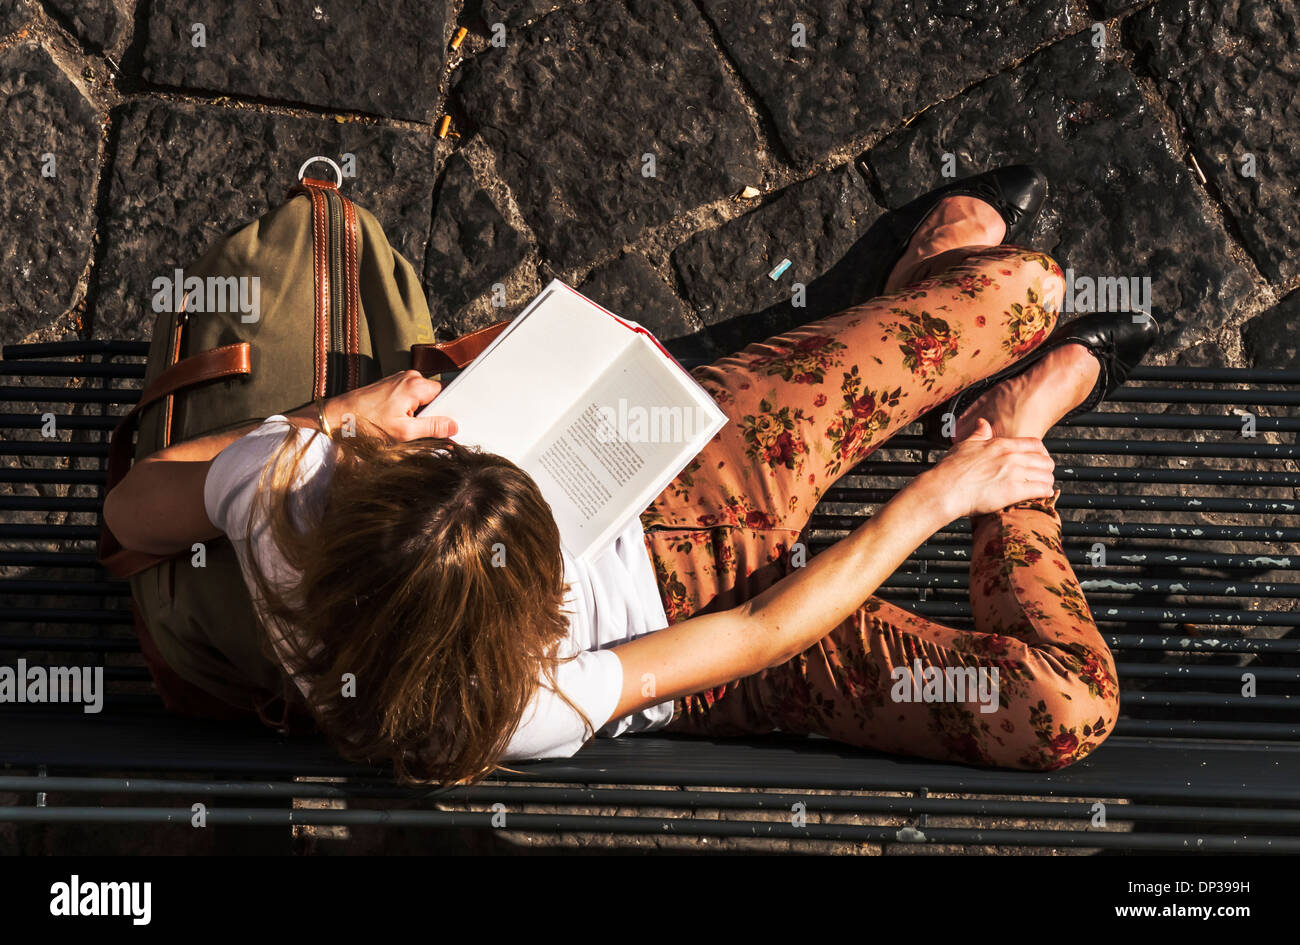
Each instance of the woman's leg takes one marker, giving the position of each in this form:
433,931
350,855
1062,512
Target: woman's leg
1033,686
808,405
724,529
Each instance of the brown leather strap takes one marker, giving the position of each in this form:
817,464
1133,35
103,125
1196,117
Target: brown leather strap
350,344
352,292
173,356
315,189
227,361
454,355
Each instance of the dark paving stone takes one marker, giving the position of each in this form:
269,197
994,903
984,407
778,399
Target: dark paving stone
724,272
1121,203
572,103
1230,69
1206,354
870,63
629,287
471,245
384,58
98,23
512,12
1112,8
186,175
1272,338
46,223
14,14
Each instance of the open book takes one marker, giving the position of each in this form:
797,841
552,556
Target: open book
588,404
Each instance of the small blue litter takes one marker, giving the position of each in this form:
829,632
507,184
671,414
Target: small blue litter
781,268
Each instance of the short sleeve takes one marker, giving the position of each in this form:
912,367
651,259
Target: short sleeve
234,474
593,680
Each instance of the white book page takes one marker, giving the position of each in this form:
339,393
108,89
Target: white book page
620,444
595,412
521,384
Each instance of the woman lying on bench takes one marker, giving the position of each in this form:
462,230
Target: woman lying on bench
417,593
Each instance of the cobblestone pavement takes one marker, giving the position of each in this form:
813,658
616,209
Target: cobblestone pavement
609,142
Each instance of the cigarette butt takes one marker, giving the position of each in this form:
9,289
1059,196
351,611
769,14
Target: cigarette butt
748,193
443,126
459,37
1196,167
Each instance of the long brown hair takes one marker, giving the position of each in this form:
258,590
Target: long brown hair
429,604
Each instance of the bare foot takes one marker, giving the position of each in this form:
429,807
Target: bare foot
955,223
1033,402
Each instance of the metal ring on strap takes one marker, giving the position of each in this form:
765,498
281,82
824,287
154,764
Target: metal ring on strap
338,171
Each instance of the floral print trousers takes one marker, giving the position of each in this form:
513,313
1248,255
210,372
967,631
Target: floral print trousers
804,408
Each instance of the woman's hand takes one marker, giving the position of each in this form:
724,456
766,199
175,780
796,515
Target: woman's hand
984,473
391,405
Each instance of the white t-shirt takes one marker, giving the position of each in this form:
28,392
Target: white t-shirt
612,599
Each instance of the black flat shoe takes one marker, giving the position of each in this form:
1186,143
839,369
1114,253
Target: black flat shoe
1119,341
1017,193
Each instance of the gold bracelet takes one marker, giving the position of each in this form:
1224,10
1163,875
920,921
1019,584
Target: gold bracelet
320,413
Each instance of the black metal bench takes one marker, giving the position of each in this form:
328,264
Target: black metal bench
1197,589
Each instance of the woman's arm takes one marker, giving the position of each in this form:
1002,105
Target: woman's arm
981,474
158,506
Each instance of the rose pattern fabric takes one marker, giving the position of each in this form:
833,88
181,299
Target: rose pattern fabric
773,437
927,343
804,362
806,407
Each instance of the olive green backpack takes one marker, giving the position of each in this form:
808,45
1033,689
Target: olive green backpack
310,300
